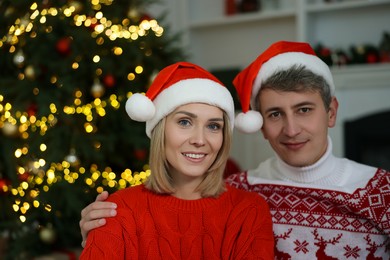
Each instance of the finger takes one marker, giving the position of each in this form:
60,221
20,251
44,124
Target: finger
86,226
102,196
97,206
94,219
100,213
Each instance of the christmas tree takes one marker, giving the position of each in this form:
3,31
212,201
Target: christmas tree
67,69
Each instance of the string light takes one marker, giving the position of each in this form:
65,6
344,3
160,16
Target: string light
103,25
62,171
41,175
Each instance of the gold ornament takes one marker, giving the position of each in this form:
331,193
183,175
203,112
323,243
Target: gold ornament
9,129
97,89
47,234
133,14
77,6
72,158
30,72
19,58
9,11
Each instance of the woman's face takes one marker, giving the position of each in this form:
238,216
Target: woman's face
193,138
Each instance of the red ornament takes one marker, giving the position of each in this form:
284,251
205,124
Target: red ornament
372,58
63,46
140,154
325,52
32,109
146,17
4,185
93,24
385,57
109,80
24,176
230,7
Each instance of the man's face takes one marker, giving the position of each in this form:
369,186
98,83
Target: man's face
296,125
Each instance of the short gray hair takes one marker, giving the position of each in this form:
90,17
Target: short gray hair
297,79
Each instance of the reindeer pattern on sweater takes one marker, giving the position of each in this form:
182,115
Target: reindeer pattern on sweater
315,223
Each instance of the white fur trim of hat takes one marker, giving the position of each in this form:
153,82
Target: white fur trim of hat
196,90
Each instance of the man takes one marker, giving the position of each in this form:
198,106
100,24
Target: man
322,207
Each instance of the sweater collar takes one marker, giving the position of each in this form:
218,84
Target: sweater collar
324,171
174,203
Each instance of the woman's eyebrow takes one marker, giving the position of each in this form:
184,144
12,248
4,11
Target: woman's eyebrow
186,113
192,115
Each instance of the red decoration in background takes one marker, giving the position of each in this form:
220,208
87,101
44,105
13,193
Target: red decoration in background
109,80
246,6
325,52
384,48
3,184
230,7
93,25
241,6
63,46
372,58
358,54
385,57
146,17
32,109
24,176
140,154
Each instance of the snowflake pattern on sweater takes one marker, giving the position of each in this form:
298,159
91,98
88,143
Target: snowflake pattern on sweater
312,223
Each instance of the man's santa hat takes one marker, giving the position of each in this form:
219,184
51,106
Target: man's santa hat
178,84
278,57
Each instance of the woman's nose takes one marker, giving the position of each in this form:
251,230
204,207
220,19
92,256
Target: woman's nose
197,137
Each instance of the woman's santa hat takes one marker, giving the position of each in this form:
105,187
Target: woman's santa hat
278,57
176,85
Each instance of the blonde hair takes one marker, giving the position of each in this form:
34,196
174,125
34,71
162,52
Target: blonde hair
160,180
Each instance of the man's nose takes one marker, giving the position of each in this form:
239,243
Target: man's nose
291,127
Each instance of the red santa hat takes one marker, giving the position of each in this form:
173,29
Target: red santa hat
175,85
279,56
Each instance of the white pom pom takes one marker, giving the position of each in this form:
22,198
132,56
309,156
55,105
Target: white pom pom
140,108
249,122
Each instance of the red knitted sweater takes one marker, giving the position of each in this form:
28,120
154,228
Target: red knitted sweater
236,225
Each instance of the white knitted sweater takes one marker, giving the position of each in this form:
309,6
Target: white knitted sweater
334,209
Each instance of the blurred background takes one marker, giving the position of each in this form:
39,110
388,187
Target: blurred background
68,66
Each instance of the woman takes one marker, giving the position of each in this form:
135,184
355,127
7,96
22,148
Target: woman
184,210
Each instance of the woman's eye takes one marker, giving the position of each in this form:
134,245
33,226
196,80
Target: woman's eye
215,126
184,122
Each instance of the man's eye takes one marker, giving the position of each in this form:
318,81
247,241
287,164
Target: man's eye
274,114
305,109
